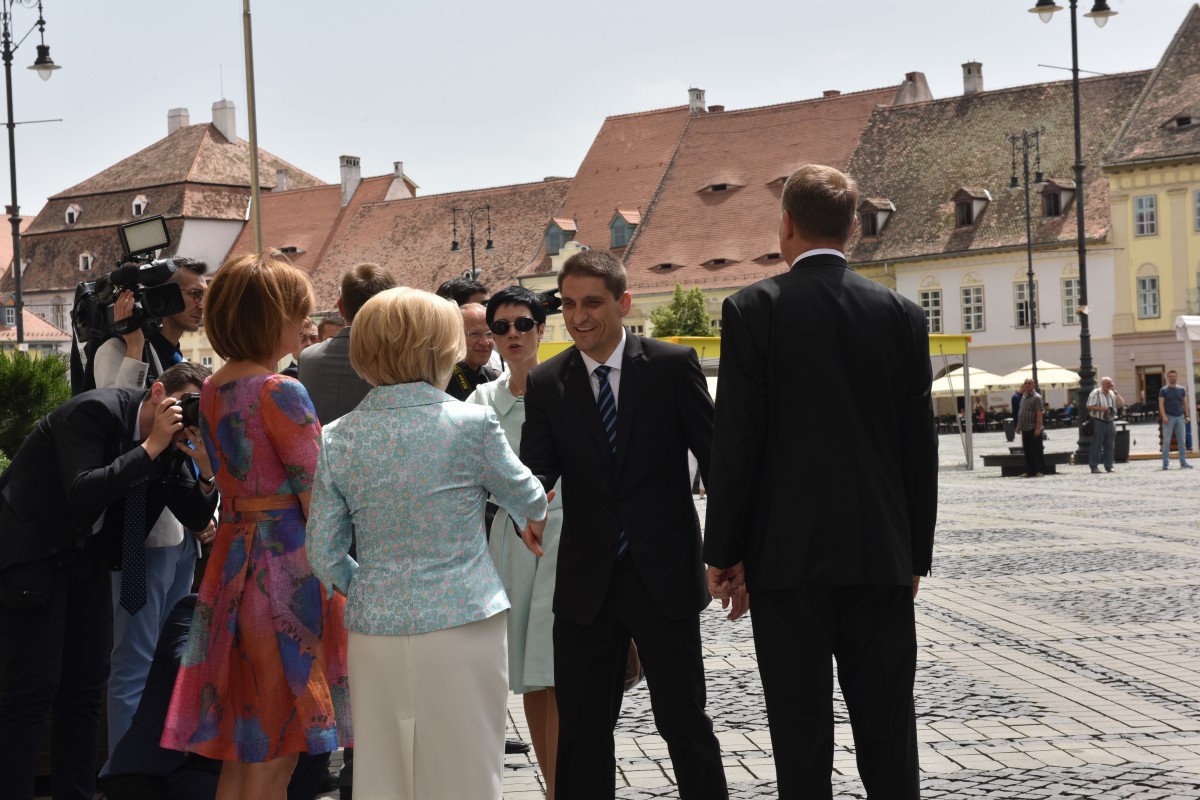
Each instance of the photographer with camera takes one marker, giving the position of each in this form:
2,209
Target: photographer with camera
133,360
77,499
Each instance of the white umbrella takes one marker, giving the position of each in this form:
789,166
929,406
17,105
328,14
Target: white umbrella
1049,376
951,384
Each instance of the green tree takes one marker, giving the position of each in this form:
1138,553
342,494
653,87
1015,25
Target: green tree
685,315
30,388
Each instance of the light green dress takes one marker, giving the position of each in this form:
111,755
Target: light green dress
528,580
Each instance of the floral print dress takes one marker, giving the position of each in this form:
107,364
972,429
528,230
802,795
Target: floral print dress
264,672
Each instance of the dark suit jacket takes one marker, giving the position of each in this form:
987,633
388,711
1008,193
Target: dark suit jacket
663,410
79,461
824,454
331,382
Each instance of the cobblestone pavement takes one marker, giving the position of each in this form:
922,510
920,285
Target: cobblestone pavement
1059,647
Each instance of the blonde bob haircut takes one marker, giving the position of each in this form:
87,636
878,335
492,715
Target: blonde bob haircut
249,301
405,335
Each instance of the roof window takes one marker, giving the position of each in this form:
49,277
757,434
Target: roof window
969,205
873,214
717,262
139,205
85,262
72,214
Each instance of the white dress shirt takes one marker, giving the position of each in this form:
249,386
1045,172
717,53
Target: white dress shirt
614,377
820,251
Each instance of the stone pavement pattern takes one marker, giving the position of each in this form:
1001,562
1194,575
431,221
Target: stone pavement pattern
1059,647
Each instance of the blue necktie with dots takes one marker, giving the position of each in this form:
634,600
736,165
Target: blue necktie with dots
608,418
133,551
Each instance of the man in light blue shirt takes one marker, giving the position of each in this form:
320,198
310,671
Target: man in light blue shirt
1174,415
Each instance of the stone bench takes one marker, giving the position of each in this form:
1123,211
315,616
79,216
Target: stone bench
1013,464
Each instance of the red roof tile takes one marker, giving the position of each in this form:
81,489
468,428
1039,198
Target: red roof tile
36,330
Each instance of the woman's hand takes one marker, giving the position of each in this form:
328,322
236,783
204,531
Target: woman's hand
192,446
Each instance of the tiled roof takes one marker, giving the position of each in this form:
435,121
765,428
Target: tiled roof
919,156
412,237
622,169
748,150
36,330
307,219
1151,131
630,215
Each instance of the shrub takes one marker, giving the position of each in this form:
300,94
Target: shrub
30,388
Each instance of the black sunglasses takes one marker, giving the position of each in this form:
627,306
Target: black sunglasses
522,324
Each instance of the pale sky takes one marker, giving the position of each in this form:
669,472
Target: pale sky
472,94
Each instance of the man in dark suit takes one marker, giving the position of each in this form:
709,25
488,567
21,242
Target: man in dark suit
94,472
325,369
829,522
615,416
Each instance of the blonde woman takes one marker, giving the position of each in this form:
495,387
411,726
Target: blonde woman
408,472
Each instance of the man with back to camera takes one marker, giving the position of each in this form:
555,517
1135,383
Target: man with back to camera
171,552
1174,413
325,369
831,545
80,495
615,416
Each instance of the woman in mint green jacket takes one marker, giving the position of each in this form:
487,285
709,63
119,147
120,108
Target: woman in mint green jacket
406,475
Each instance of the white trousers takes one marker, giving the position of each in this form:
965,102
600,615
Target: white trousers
429,713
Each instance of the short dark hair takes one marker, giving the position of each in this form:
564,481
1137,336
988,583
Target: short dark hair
517,296
332,318
595,264
183,375
182,263
361,283
461,290
822,202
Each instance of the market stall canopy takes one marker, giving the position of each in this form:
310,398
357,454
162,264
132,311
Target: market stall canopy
951,384
1050,376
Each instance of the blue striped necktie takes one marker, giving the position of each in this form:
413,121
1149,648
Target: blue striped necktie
608,418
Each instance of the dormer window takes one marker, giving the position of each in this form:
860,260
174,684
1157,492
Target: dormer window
717,262
873,214
719,187
1056,194
664,267
85,262
139,205
722,183
622,226
969,204
560,231
1184,119
72,214
765,257
1052,204
292,250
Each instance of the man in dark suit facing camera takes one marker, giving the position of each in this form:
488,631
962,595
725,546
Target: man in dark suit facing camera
615,416
80,496
829,524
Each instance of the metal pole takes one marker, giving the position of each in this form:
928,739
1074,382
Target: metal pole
14,210
1087,373
1031,303
474,271
255,211
968,411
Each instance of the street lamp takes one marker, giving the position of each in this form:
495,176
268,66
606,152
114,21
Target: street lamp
45,67
1027,141
1045,9
469,217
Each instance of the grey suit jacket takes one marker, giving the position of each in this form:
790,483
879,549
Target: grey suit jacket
331,381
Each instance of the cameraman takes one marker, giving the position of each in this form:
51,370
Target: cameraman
171,552
91,476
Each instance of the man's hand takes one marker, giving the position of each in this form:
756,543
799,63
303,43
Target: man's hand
208,534
532,535
135,340
168,418
729,586
916,584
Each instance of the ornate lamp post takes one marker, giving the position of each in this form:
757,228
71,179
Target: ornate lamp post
1045,9
469,215
1028,141
45,67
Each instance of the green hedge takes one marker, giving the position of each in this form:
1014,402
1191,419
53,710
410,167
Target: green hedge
30,388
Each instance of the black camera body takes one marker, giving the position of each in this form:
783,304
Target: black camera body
189,403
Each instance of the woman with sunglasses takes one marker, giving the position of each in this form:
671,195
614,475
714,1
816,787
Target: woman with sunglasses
517,321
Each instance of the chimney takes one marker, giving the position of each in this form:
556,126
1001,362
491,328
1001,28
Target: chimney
915,89
831,93
695,101
400,188
715,109
351,178
972,78
177,118
225,120
281,180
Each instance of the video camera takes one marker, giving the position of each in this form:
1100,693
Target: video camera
153,296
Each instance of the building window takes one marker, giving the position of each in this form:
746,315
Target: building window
640,330
964,213
715,323
621,232
58,313
206,361
972,308
139,205
1021,305
10,316
1147,297
1070,301
931,304
870,224
85,262
554,240
72,214
1052,204
1196,210
1145,215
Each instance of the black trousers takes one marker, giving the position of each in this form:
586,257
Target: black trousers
55,664
589,672
1035,449
871,632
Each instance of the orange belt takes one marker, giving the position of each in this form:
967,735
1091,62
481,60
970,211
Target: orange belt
248,509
